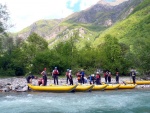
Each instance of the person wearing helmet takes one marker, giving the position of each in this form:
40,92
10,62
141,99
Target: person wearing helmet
92,79
78,75
55,75
133,75
70,77
82,75
98,78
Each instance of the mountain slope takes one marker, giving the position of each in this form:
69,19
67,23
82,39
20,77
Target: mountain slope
88,23
135,26
41,27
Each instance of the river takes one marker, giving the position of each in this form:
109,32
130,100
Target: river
122,101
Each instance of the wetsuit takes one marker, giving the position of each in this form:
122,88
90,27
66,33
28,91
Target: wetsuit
82,76
133,74
29,77
67,77
92,79
106,76
117,78
44,77
70,79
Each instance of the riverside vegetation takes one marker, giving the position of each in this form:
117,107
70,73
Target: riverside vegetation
121,46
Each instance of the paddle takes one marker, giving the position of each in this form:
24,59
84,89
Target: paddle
124,82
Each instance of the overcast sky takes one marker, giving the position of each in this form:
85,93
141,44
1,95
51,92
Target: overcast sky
24,12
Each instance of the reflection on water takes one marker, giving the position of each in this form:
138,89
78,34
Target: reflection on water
124,101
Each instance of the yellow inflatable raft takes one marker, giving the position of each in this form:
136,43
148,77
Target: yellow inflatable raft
112,86
53,88
127,86
84,87
139,82
99,87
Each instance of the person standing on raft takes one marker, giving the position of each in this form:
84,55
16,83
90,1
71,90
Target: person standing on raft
117,77
106,76
44,74
70,77
109,77
67,76
78,75
98,78
55,75
82,76
133,75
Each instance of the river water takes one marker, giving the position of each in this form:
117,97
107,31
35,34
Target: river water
122,101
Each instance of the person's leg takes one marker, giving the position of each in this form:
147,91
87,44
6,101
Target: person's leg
45,81
54,78
67,81
72,81
57,79
93,80
83,80
134,79
109,80
96,81
105,79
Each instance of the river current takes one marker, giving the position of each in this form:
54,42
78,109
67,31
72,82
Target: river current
122,101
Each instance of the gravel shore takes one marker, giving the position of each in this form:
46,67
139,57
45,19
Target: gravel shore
20,83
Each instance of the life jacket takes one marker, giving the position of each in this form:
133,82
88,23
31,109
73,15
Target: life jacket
133,73
105,74
78,76
97,76
82,73
67,74
55,72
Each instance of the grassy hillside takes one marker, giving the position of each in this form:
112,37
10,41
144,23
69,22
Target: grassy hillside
135,27
134,32
42,27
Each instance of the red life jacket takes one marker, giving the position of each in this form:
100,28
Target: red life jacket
67,74
55,72
97,76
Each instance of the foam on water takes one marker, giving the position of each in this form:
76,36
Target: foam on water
131,101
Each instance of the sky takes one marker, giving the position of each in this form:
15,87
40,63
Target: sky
23,13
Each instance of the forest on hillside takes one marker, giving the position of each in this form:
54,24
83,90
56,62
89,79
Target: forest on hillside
124,46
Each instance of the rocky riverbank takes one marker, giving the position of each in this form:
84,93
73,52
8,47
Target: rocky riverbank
20,84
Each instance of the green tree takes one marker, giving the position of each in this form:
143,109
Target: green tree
3,25
112,55
3,19
33,45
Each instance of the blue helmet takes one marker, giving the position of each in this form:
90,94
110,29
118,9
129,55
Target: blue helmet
67,69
